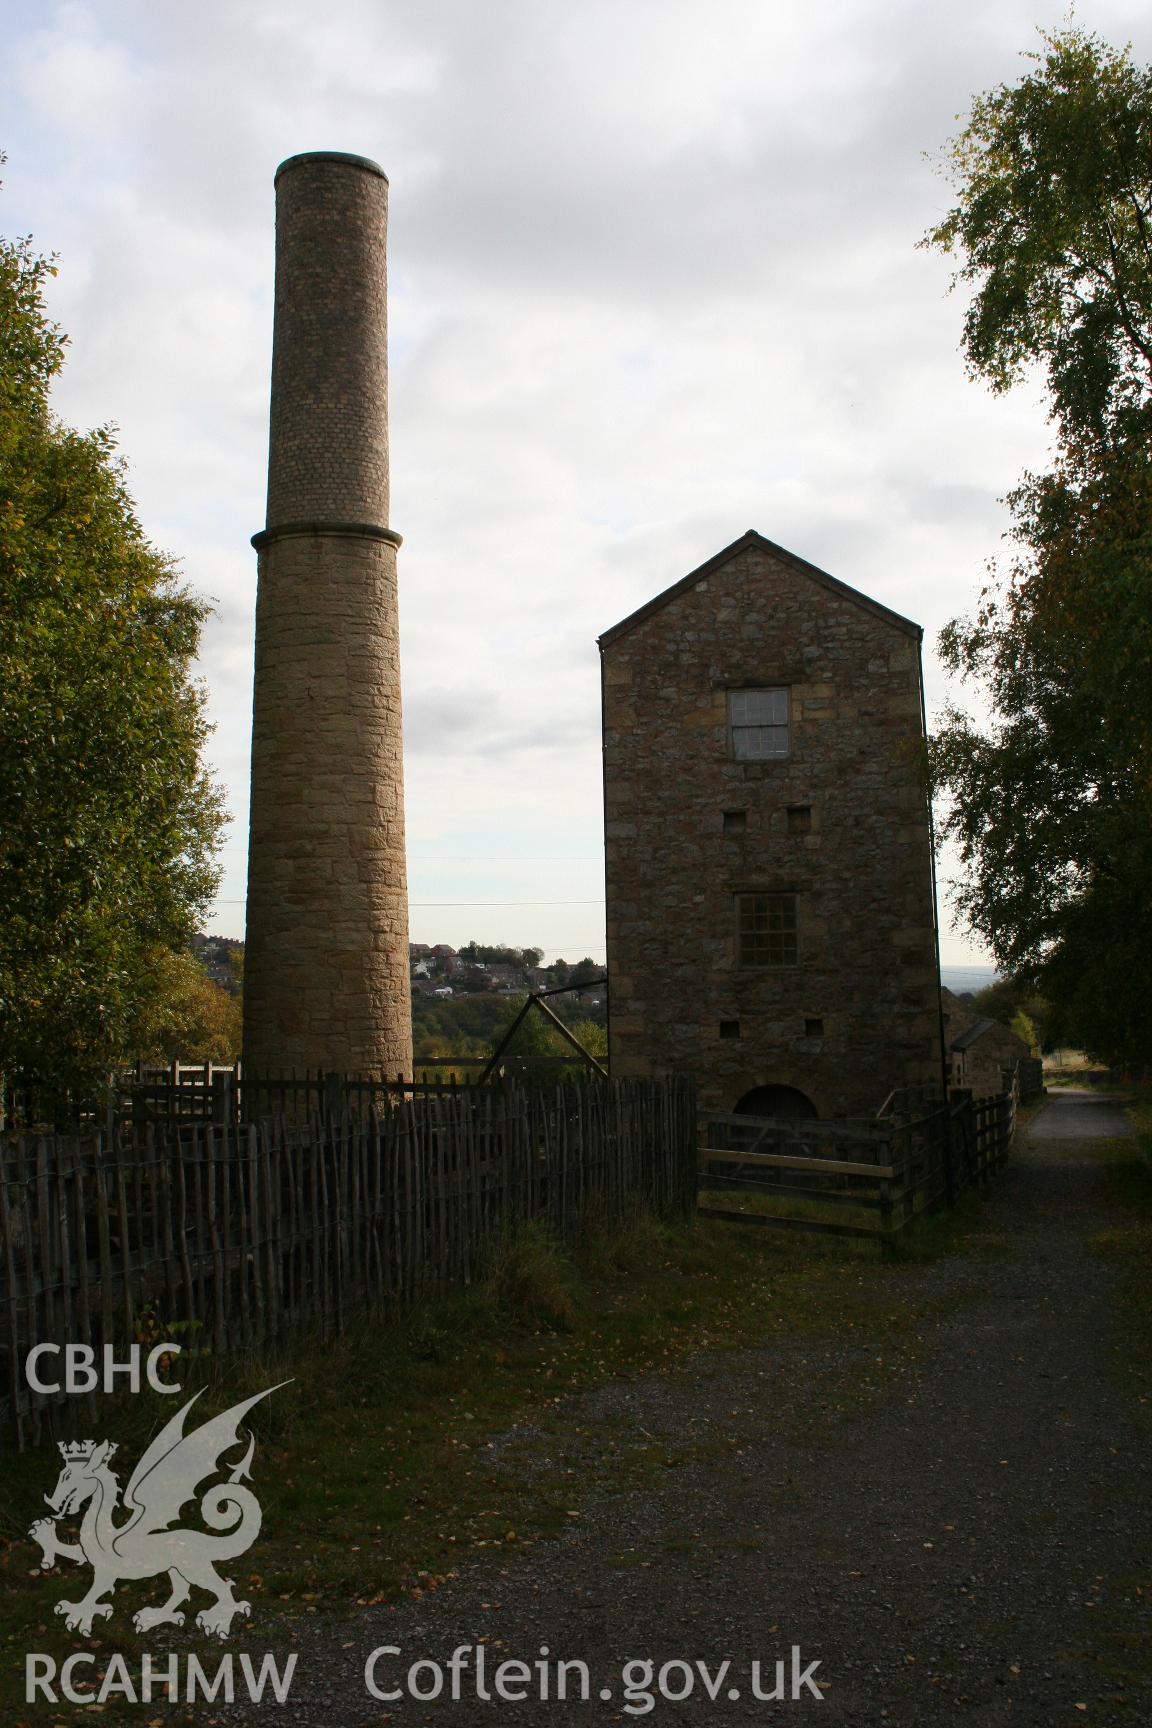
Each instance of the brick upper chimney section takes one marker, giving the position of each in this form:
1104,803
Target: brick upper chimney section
328,454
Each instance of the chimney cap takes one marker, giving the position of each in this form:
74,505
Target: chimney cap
330,156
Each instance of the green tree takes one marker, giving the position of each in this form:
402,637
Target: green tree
585,971
593,1037
537,1053
192,1019
110,823
1051,804
472,979
1025,1028
1054,223
235,984
1015,1004
499,954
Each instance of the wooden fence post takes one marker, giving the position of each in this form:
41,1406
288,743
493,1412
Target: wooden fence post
898,1165
951,1124
332,1098
223,1097
15,1357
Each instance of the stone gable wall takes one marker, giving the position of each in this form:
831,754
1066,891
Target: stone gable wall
867,963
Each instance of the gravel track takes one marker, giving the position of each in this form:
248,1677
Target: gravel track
954,1547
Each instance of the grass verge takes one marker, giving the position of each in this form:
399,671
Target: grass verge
1125,1173
415,1441
1126,1183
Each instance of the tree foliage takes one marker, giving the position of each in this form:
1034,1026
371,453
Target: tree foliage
585,971
498,954
1051,805
1054,223
537,1053
1014,1004
472,1025
193,1019
110,823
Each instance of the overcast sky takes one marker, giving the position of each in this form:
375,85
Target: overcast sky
653,282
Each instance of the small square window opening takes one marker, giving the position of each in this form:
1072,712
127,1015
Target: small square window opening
813,1028
735,821
799,818
729,1028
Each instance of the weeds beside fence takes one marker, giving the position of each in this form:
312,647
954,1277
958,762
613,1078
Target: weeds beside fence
244,1236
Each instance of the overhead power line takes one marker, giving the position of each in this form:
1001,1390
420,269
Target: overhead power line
427,904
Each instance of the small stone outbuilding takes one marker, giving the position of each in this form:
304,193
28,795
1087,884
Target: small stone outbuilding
983,1054
770,899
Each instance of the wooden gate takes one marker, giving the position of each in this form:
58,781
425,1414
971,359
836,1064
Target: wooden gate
866,1178
834,1178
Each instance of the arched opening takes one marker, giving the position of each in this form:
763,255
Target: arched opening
776,1101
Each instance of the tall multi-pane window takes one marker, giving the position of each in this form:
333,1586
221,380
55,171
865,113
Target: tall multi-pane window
766,931
758,723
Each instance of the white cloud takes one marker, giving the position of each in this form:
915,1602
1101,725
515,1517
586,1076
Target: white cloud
653,282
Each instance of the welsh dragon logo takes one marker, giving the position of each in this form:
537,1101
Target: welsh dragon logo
144,1544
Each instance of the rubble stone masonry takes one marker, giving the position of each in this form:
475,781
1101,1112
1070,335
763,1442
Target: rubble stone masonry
841,823
326,963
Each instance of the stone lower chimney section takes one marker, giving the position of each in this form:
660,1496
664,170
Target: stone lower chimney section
326,962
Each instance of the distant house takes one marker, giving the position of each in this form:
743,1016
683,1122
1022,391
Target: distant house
982,1053
506,977
216,955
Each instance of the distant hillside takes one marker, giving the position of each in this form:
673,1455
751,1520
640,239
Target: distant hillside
967,980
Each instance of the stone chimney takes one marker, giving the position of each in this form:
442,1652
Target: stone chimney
326,963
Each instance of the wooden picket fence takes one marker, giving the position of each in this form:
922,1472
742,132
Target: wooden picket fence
868,1178
256,1234
225,1092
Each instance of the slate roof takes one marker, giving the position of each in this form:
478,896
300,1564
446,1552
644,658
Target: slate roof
965,1040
